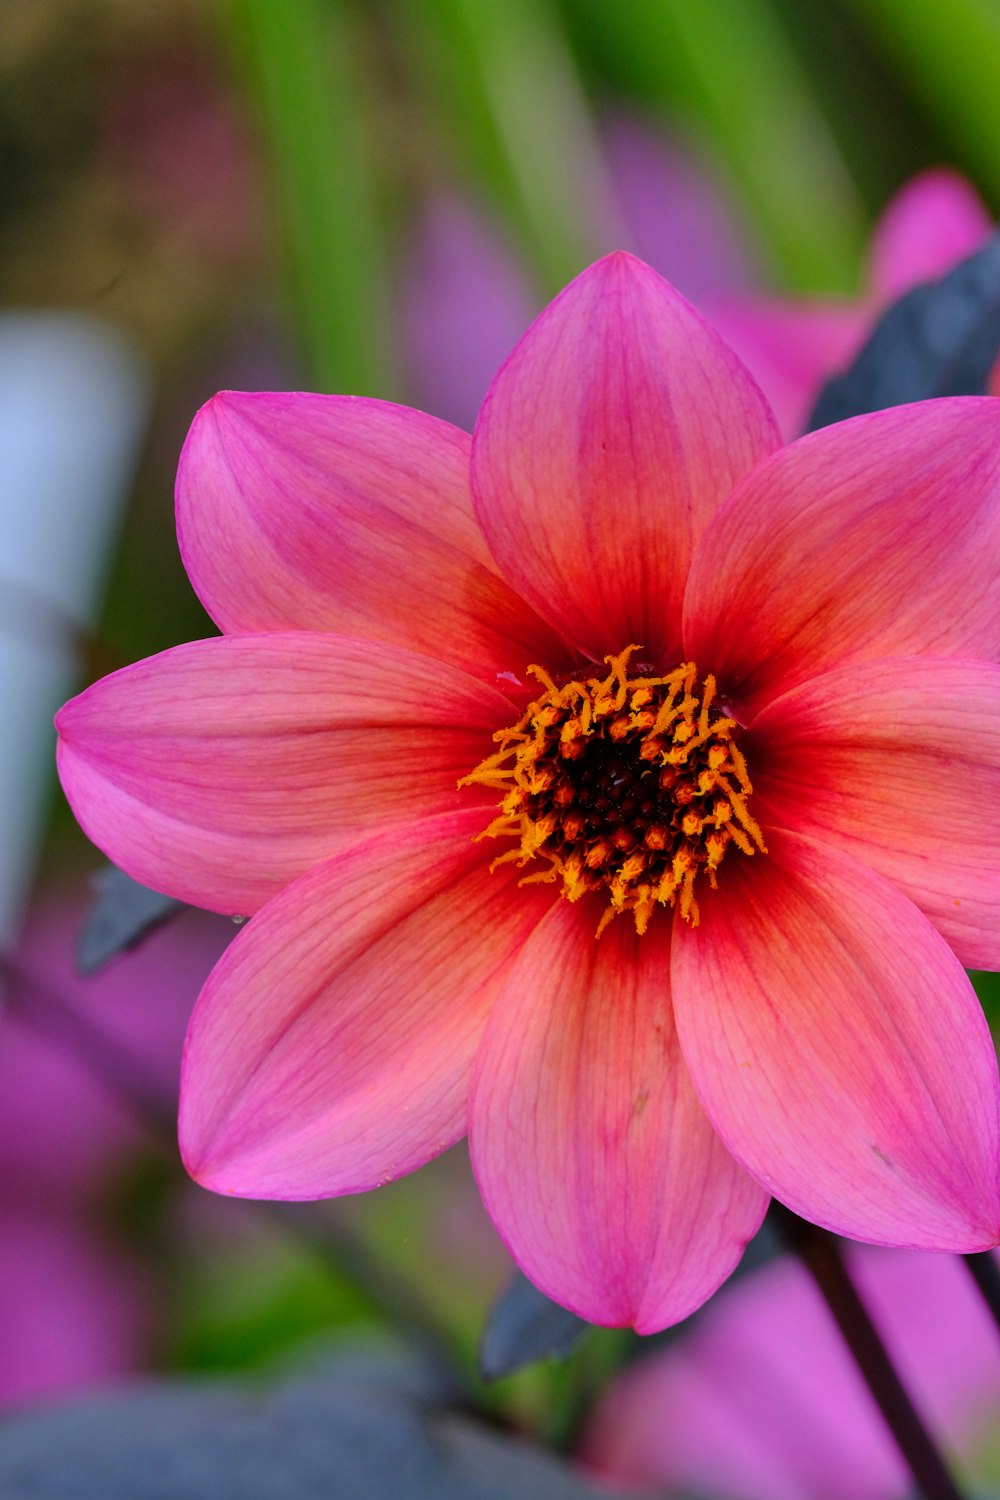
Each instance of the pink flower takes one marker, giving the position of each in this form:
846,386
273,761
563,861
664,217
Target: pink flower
463,300
793,347
759,752
762,1401
76,1308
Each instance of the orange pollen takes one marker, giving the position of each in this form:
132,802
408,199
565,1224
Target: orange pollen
630,784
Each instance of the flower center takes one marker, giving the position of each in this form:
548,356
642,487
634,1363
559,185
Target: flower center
628,784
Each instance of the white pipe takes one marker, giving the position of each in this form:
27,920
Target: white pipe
74,398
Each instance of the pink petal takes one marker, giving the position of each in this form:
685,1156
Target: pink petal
330,1049
607,440
840,1051
934,221
593,1156
855,542
898,763
223,769
336,513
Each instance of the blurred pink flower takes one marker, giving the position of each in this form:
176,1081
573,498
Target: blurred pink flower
678,214
61,1130
762,1401
792,745
466,296
794,346
76,1309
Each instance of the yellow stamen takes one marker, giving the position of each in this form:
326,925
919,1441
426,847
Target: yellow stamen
630,785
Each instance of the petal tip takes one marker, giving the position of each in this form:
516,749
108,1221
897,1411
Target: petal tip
64,719
207,413
620,268
224,401
621,263
226,410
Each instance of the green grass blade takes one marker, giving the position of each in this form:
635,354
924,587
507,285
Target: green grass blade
949,53
511,107
303,66
728,69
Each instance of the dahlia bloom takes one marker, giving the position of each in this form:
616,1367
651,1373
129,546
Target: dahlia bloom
621,788
761,1399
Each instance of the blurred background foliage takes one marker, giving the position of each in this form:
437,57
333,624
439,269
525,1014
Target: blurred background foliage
374,196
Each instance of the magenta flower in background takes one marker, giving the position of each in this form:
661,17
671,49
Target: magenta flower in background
680,216
465,296
621,788
934,221
794,346
76,1309
142,1001
463,300
762,1401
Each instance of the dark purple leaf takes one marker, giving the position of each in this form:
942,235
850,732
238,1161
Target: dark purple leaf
523,1326
327,1438
941,339
122,914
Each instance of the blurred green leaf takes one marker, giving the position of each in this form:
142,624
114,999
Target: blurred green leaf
881,129
950,55
243,1305
505,87
727,67
305,68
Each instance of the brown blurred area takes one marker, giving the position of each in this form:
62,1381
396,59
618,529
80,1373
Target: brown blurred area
128,178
